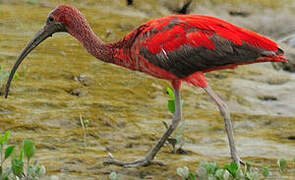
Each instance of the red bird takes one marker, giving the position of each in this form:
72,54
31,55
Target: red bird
179,48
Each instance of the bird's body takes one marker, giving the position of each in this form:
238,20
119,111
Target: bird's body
177,48
183,47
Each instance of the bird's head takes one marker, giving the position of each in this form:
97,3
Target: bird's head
64,18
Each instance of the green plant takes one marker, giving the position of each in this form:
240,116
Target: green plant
114,176
171,102
235,171
7,152
84,124
265,172
185,174
18,169
282,163
211,171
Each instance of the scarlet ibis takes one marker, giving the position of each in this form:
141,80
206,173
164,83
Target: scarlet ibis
178,48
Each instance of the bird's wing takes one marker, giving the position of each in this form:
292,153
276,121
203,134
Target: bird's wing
184,44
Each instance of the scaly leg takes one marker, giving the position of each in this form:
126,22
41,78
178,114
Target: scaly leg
228,127
152,153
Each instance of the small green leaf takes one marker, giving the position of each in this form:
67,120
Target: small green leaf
250,176
8,151
29,148
232,168
16,75
171,93
192,176
6,136
0,67
21,154
183,172
17,167
282,163
86,122
210,167
219,174
113,176
171,106
265,171
294,159
42,171
239,174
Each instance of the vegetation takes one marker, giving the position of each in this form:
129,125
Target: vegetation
114,176
211,171
19,168
84,124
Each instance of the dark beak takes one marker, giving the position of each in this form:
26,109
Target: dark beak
45,32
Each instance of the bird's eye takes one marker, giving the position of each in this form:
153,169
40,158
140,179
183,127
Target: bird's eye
50,18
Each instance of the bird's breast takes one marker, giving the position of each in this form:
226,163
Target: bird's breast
133,60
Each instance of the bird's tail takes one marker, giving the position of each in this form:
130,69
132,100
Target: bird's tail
279,58
272,56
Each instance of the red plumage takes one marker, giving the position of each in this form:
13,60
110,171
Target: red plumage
167,34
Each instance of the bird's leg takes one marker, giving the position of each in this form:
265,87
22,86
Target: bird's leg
228,126
152,153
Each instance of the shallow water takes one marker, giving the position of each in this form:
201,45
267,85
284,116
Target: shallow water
126,108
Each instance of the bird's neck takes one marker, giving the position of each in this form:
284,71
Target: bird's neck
95,46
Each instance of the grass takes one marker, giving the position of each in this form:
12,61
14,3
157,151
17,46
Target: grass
20,166
212,171
84,124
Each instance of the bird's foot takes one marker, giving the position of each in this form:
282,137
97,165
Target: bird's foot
137,163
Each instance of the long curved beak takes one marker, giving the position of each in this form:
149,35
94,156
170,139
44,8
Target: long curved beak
45,32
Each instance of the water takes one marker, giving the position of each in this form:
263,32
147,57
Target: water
125,108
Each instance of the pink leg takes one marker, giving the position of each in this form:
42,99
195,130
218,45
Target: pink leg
228,127
148,159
